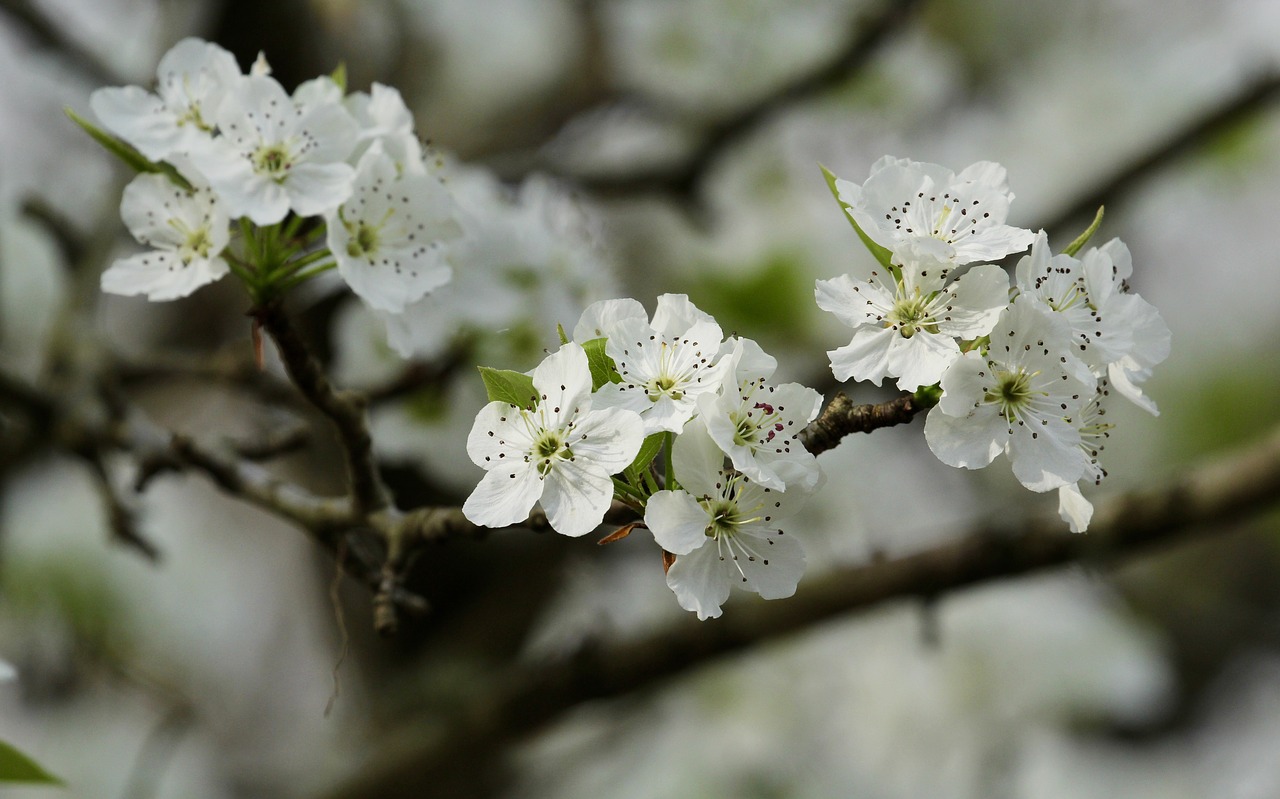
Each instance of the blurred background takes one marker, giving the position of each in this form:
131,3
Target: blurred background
636,147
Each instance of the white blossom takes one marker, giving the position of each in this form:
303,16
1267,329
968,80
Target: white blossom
192,80
724,529
389,237
665,364
189,231
758,424
1094,429
384,117
274,156
906,325
1113,330
561,452
904,200
1020,397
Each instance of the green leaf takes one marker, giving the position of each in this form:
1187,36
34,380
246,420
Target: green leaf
339,76
882,254
17,767
603,369
125,152
1083,238
649,450
504,385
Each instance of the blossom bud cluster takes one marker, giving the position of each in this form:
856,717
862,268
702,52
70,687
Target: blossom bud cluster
1025,369
215,145
600,414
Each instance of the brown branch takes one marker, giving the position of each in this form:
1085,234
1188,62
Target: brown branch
841,417
1253,98
344,408
1202,502
866,37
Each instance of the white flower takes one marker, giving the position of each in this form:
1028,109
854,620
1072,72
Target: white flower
384,117
388,238
906,327
665,364
561,452
275,156
1073,508
758,425
724,530
189,230
1112,330
600,317
192,80
1021,398
906,200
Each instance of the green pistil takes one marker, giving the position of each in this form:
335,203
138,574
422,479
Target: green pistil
911,314
1012,393
724,517
663,384
364,239
274,161
550,446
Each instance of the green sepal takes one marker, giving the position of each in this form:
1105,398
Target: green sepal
649,449
881,254
603,369
504,385
564,338
124,151
1083,238
339,76
17,767
927,396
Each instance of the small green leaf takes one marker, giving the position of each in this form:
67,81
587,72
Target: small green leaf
125,152
649,450
1083,238
882,254
927,396
339,76
603,369
564,338
17,767
504,385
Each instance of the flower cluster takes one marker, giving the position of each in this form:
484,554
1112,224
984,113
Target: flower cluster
1027,369
667,416
315,179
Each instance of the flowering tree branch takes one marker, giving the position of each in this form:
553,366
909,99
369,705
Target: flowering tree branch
1202,502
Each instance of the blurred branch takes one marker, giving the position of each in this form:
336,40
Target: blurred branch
1253,98
47,33
233,368
1202,502
868,33
344,408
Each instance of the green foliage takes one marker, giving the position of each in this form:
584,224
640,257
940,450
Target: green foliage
505,385
1083,238
603,369
125,152
17,767
881,254
649,450
773,302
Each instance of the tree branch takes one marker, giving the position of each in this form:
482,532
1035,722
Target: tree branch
1202,502
841,417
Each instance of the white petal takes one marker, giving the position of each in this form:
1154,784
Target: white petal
1073,508
318,188
1050,459
563,381
504,497
599,319
677,520
576,497
978,297
675,314
499,438
139,117
969,442
771,565
921,359
697,460
855,303
161,275
609,438
700,582
866,357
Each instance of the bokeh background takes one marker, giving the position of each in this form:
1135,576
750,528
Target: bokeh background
659,146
